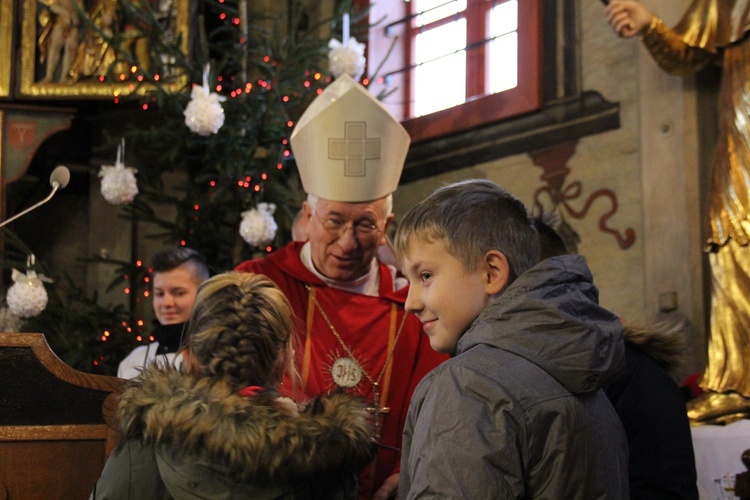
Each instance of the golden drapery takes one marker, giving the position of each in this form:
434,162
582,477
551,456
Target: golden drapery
716,31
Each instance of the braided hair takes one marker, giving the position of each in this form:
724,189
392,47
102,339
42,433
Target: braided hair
240,330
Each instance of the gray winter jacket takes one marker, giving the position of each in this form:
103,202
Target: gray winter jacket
518,413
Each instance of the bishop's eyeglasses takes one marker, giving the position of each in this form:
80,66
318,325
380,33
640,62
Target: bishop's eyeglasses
338,227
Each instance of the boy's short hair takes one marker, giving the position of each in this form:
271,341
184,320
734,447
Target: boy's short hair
172,258
471,218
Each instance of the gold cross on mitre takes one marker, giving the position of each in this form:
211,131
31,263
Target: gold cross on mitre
354,148
347,145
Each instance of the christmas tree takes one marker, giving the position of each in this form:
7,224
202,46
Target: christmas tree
217,117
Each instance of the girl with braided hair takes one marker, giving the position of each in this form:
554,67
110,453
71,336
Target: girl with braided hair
217,428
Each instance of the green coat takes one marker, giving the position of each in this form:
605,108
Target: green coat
187,437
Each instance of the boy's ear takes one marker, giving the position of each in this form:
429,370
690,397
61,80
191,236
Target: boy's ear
497,271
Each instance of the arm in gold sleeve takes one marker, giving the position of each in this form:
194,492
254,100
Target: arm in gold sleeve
671,53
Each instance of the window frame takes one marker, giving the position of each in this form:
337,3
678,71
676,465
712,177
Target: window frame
384,56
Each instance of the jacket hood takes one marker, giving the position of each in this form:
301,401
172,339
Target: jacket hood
551,316
263,437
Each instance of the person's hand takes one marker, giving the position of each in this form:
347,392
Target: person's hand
628,18
389,488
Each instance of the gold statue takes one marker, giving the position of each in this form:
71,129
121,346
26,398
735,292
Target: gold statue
135,38
60,22
95,55
715,30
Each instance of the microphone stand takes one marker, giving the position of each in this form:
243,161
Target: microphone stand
55,187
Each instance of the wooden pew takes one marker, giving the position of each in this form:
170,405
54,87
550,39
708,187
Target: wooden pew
56,428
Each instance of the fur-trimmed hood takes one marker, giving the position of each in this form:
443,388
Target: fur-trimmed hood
664,341
260,438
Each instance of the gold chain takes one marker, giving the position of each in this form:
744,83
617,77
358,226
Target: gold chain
388,359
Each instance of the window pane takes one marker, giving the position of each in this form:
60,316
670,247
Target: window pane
442,8
504,18
440,81
502,63
440,84
503,67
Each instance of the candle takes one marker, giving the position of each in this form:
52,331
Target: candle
345,37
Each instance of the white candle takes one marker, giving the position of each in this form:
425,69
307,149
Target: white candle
346,28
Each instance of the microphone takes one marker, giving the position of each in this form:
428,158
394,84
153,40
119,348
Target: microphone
58,180
60,177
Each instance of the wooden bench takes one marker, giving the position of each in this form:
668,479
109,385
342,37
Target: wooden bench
56,428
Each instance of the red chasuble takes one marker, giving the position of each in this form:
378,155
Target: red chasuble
367,328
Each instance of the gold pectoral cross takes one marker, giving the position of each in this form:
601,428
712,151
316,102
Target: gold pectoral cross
377,410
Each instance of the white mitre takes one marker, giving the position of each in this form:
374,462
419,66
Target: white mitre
347,146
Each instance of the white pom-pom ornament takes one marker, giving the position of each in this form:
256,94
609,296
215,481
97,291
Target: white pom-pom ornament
258,227
346,57
27,296
204,114
119,186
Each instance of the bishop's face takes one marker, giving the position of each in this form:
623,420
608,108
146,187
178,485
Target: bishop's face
344,237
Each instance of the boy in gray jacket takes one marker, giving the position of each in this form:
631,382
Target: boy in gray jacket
517,412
